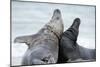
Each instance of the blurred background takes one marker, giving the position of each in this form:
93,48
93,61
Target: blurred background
29,17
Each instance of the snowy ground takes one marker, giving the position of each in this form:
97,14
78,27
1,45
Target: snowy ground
29,17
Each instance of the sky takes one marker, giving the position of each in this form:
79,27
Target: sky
29,17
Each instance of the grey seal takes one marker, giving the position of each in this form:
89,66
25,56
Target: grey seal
44,45
70,50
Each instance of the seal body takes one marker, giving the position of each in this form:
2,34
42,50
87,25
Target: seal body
69,50
44,45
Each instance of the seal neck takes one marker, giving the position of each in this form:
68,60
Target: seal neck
71,34
50,29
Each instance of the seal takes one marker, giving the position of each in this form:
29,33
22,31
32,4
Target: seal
69,50
44,45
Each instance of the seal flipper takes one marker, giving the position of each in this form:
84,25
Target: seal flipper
25,39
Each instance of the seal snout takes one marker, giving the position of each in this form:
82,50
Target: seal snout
56,11
77,20
76,23
56,14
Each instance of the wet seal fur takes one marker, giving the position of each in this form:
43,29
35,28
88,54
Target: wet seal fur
44,45
69,50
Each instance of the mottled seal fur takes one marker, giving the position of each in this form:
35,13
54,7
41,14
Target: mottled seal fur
44,45
69,50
